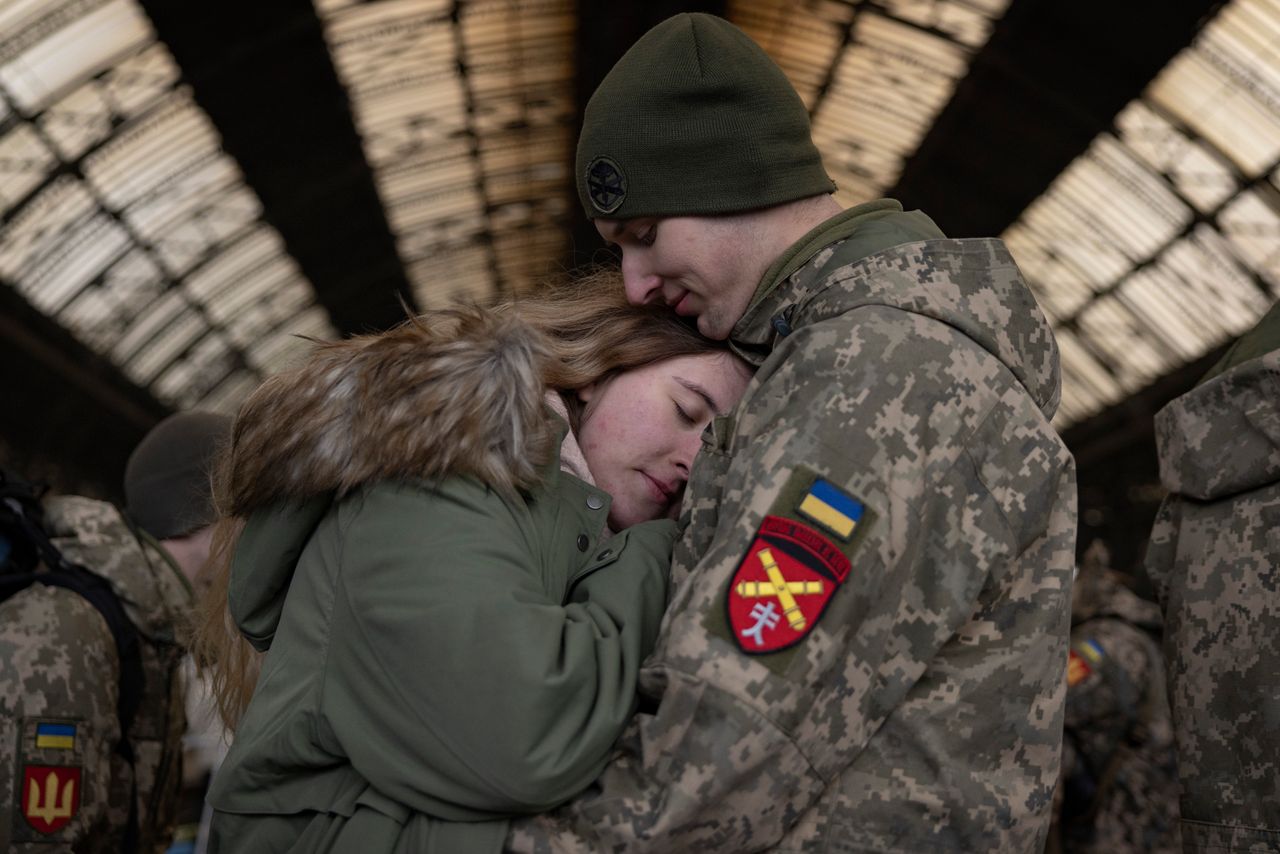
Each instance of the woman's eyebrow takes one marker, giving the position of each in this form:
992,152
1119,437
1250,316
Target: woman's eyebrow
701,392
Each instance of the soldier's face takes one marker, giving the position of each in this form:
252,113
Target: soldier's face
641,429
703,267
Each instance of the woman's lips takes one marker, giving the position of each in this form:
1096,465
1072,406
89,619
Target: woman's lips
660,491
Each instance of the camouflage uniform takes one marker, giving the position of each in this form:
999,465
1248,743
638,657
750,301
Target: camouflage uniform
922,709
59,676
1213,557
1118,791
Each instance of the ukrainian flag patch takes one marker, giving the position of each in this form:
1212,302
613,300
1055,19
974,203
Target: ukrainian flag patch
1093,650
835,511
58,736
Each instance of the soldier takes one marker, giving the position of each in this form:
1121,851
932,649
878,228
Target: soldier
1213,559
1118,791
865,643
69,779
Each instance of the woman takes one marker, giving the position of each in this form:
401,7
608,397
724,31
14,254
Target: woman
455,613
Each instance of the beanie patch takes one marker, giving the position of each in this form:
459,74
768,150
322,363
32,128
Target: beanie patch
606,185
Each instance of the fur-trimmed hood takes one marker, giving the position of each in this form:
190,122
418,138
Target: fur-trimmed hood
458,392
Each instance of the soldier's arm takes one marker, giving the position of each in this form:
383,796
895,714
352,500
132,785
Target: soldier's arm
741,743
467,688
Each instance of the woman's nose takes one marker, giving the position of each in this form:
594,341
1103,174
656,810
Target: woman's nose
686,449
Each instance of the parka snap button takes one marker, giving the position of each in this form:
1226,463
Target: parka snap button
605,555
595,502
583,542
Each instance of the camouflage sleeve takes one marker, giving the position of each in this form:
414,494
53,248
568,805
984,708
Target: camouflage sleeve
59,722
1212,559
876,473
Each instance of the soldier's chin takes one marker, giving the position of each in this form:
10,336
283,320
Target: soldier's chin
709,326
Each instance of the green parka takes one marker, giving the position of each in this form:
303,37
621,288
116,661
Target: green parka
439,656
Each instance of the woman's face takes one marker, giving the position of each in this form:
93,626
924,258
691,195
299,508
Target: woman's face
641,429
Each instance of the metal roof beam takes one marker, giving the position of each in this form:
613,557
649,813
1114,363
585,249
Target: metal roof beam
70,418
1050,79
264,75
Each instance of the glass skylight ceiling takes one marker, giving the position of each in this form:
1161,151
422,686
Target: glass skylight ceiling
874,76
467,124
1163,240
124,221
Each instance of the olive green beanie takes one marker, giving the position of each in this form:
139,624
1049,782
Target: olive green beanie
695,119
167,484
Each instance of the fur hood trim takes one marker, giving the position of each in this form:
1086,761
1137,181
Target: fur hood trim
456,392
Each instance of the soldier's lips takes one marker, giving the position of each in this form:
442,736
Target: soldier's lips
682,306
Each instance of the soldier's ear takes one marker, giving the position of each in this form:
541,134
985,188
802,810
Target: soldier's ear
587,392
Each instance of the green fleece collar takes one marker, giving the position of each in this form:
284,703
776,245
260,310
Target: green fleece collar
829,231
866,229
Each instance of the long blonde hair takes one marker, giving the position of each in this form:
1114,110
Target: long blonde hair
588,332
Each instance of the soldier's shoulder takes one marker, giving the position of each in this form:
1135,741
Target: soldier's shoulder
83,518
97,535
45,621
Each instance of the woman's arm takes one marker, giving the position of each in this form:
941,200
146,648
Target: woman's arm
454,682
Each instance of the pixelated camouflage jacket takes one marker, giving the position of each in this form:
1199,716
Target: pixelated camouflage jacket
922,709
1213,558
61,675
1118,790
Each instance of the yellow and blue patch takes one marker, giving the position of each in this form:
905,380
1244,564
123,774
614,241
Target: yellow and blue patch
58,736
1093,651
802,553
831,508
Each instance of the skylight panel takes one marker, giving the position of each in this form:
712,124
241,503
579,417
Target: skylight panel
1178,191
804,45
1251,225
146,326
168,342
1198,174
113,188
286,343
230,392
86,46
34,237
139,81
1093,385
874,76
448,275
1134,355
25,162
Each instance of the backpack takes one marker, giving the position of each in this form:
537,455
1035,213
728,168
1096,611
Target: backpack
24,545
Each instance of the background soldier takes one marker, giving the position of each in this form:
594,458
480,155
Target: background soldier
1118,791
865,644
1214,559
71,673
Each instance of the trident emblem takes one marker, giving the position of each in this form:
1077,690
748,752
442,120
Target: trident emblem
52,799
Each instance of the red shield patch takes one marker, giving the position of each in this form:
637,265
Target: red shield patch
1078,669
50,796
783,585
